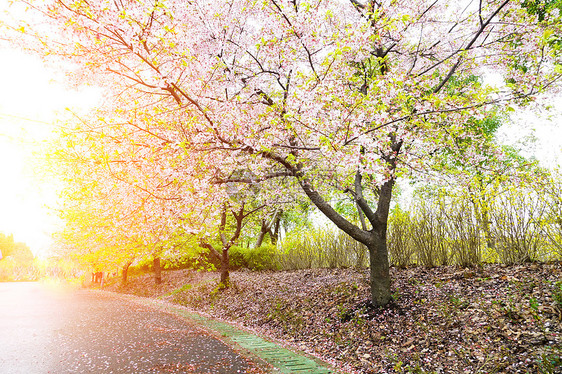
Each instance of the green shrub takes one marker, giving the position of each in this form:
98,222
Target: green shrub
400,247
261,258
465,237
236,257
516,218
320,247
429,237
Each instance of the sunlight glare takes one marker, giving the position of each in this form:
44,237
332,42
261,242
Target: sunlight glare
31,100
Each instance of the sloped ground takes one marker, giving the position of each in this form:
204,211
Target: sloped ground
443,320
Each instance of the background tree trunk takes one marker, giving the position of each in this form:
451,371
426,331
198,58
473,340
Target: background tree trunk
263,231
125,273
225,274
157,270
274,234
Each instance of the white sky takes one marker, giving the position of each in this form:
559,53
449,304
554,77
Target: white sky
31,98
537,134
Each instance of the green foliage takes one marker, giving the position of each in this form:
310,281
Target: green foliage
346,207
261,258
458,83
488,125
298,216
188,255
320,247
236,257
142,267
541,8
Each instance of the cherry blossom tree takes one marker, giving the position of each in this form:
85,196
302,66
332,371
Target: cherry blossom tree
228,238
118,206
344,96
128,183
90,236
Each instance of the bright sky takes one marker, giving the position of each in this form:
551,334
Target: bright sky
31,98
537,134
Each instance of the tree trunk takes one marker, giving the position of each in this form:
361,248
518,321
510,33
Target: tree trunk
125,273
263,231
374,239
275,233
379,268
157,270
225,274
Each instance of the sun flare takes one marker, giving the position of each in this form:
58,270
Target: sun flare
31,100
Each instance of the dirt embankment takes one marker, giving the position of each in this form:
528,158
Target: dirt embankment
443,320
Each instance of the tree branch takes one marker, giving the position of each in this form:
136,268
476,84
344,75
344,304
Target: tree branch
468,46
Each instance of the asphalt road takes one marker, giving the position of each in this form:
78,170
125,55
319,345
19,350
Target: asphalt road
54,330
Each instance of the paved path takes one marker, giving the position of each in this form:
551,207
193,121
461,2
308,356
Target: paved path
47,330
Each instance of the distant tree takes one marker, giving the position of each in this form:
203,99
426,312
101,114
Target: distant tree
20,252
481,169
